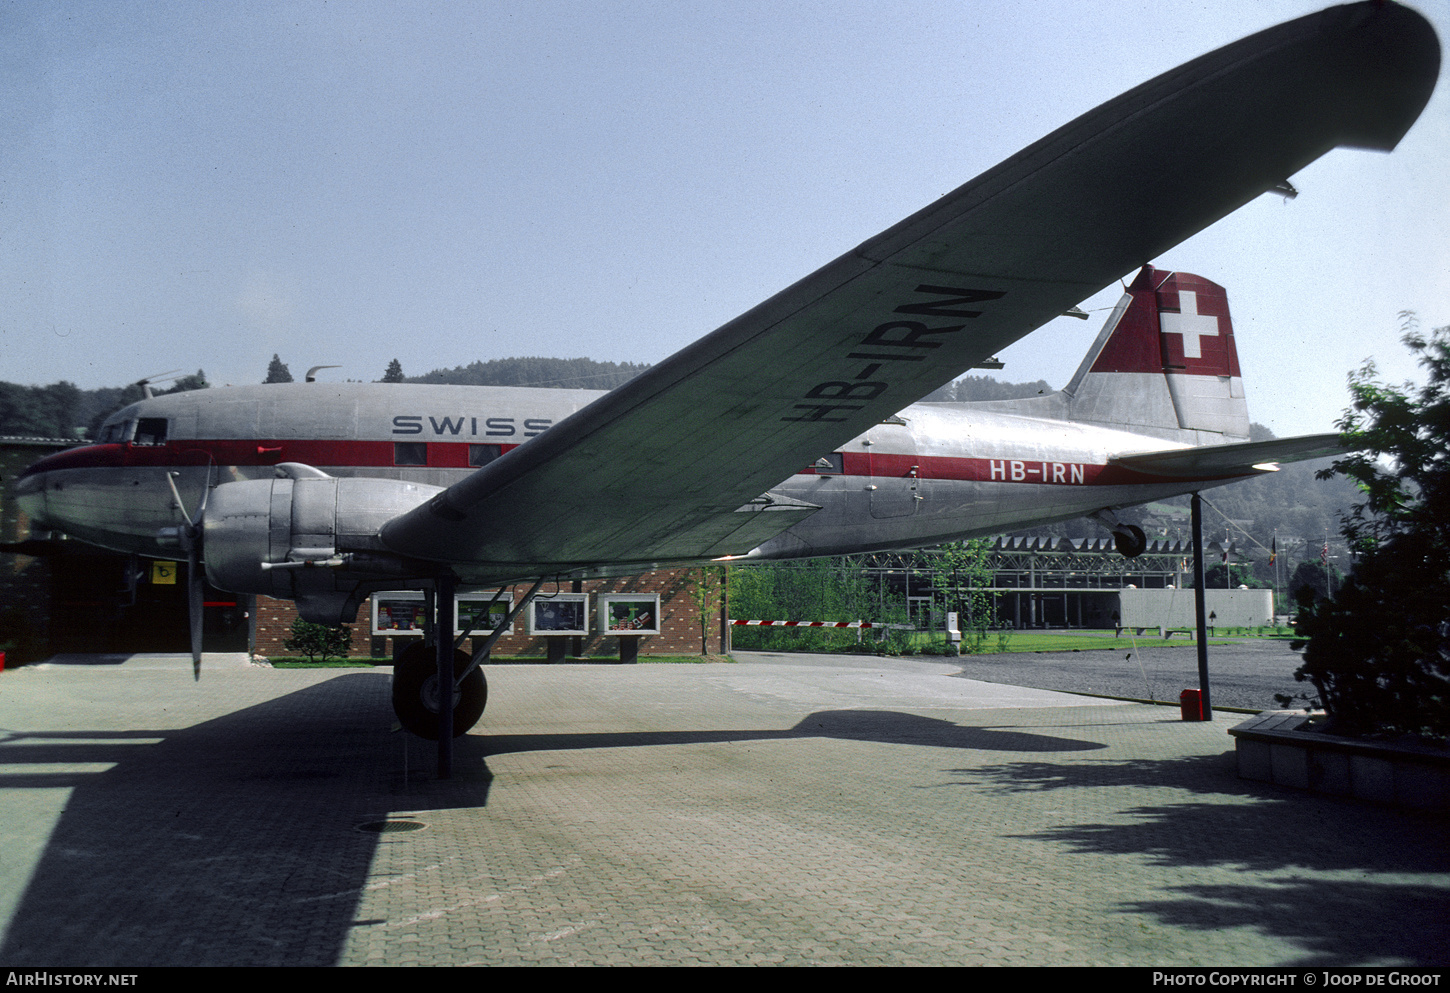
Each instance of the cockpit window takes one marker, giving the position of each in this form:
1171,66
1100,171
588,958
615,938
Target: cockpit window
150,431
110,433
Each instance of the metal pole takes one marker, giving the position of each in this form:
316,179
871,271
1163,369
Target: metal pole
1199,600
1274,614
725,612
443,642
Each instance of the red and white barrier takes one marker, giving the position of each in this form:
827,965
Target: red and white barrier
805,624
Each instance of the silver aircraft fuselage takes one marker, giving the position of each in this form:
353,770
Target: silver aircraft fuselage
936,472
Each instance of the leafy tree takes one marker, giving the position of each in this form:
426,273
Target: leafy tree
40,411
319,642
1378,652
97,405
812,590
960,571
1311,574
1232,575
394,373
705,594
277,371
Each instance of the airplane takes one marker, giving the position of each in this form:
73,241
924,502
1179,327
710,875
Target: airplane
791,431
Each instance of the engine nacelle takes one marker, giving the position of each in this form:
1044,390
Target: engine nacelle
309,539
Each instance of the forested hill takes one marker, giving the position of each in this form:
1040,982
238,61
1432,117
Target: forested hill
573,374
970,388
588,374
64,410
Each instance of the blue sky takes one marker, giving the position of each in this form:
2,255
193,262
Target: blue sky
190,185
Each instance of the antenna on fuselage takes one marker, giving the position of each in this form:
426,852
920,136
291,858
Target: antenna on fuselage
311,376
156,377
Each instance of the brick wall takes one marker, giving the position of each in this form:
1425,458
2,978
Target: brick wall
679,621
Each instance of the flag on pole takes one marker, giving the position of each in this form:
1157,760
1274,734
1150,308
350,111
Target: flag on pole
1273,550
1324,556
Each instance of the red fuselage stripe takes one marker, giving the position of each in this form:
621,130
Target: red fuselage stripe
185,452
454,455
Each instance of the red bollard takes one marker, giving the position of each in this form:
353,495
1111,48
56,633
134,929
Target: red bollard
2,661
1190,704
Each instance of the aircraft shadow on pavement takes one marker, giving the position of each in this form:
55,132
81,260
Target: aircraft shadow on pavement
884,726
1349,882
233,841
237,841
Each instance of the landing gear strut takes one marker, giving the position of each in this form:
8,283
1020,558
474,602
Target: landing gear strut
415,692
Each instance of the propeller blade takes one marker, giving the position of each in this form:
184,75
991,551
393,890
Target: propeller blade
191,536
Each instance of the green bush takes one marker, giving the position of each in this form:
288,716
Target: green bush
319,642
1378,651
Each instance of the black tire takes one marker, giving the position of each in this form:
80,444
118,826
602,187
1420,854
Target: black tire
415,694
1131,541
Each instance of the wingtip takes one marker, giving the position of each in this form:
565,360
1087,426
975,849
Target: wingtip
1400,51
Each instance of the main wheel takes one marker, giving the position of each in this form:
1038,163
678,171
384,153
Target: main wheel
1131,541
415,692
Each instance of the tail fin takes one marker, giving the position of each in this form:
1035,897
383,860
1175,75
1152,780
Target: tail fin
1164,363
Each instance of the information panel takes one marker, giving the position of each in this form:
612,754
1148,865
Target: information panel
560,614
629,613
400,614
471,607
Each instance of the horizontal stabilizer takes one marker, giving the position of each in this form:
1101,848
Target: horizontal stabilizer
1244,459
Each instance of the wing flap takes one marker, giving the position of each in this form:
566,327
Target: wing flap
733,533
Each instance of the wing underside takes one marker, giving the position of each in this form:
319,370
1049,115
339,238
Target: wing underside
666,467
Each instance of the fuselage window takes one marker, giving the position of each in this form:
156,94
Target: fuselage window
150,431
483,454
410,453
829,465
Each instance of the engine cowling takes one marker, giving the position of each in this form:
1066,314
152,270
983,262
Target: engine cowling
311,539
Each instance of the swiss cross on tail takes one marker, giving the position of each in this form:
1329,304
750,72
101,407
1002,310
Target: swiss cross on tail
1175,323
1196,335
1189,323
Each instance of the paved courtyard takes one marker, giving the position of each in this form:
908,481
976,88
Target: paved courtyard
785,809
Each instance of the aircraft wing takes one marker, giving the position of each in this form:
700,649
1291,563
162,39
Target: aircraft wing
1220,461
665,467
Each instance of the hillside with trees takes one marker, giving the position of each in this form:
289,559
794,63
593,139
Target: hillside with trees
63,410
572,374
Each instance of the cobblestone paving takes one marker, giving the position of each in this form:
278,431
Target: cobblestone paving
791,810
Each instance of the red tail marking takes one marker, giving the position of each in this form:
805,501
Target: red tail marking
1176,323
